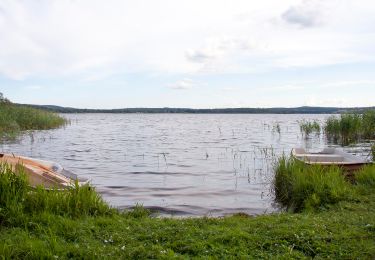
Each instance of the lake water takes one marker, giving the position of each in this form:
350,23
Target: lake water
178,164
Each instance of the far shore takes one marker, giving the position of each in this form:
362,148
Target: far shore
170,110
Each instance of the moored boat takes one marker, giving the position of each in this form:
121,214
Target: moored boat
330,157
40,172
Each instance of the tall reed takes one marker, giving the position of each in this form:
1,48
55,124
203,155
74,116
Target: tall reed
350,128
16,118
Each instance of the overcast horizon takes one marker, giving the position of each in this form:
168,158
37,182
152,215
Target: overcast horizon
188,54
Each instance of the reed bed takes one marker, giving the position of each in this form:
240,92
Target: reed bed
349,128
17,118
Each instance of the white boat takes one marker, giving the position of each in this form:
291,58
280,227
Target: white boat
330,157
39,172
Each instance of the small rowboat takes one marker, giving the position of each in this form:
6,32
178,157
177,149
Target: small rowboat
330,157
45,173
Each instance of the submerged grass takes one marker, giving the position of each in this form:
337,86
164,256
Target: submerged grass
39,224
350,128
17,118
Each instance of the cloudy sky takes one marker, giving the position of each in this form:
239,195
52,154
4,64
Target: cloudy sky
198,54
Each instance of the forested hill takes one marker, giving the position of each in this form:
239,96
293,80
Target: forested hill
275,110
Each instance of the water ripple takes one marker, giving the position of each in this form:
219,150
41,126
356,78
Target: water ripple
177,164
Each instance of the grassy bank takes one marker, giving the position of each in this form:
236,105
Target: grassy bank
78,224
16,118
309,188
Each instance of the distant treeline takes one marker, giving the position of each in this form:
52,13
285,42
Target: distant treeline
275,110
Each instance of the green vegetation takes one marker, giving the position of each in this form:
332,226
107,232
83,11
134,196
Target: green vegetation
18,200
16,118
308,127
298,187
328,217
366,178
36,224
309,188
350,128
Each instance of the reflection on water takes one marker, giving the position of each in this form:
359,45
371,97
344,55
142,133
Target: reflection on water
179,164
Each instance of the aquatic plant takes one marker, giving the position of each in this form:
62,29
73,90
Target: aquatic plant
368,124
276,128
308,127
349,128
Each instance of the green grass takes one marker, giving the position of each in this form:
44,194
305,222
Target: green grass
366,178
36,224
349,128
298,187
18,200
16,118
309,127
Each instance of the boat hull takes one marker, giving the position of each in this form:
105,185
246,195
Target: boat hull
330,157
48,174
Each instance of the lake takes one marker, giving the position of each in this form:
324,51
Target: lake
178,164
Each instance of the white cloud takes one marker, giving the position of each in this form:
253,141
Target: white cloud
51,38
307,14
183,84
204,55
216,48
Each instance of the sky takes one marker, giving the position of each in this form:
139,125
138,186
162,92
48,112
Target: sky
195,54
